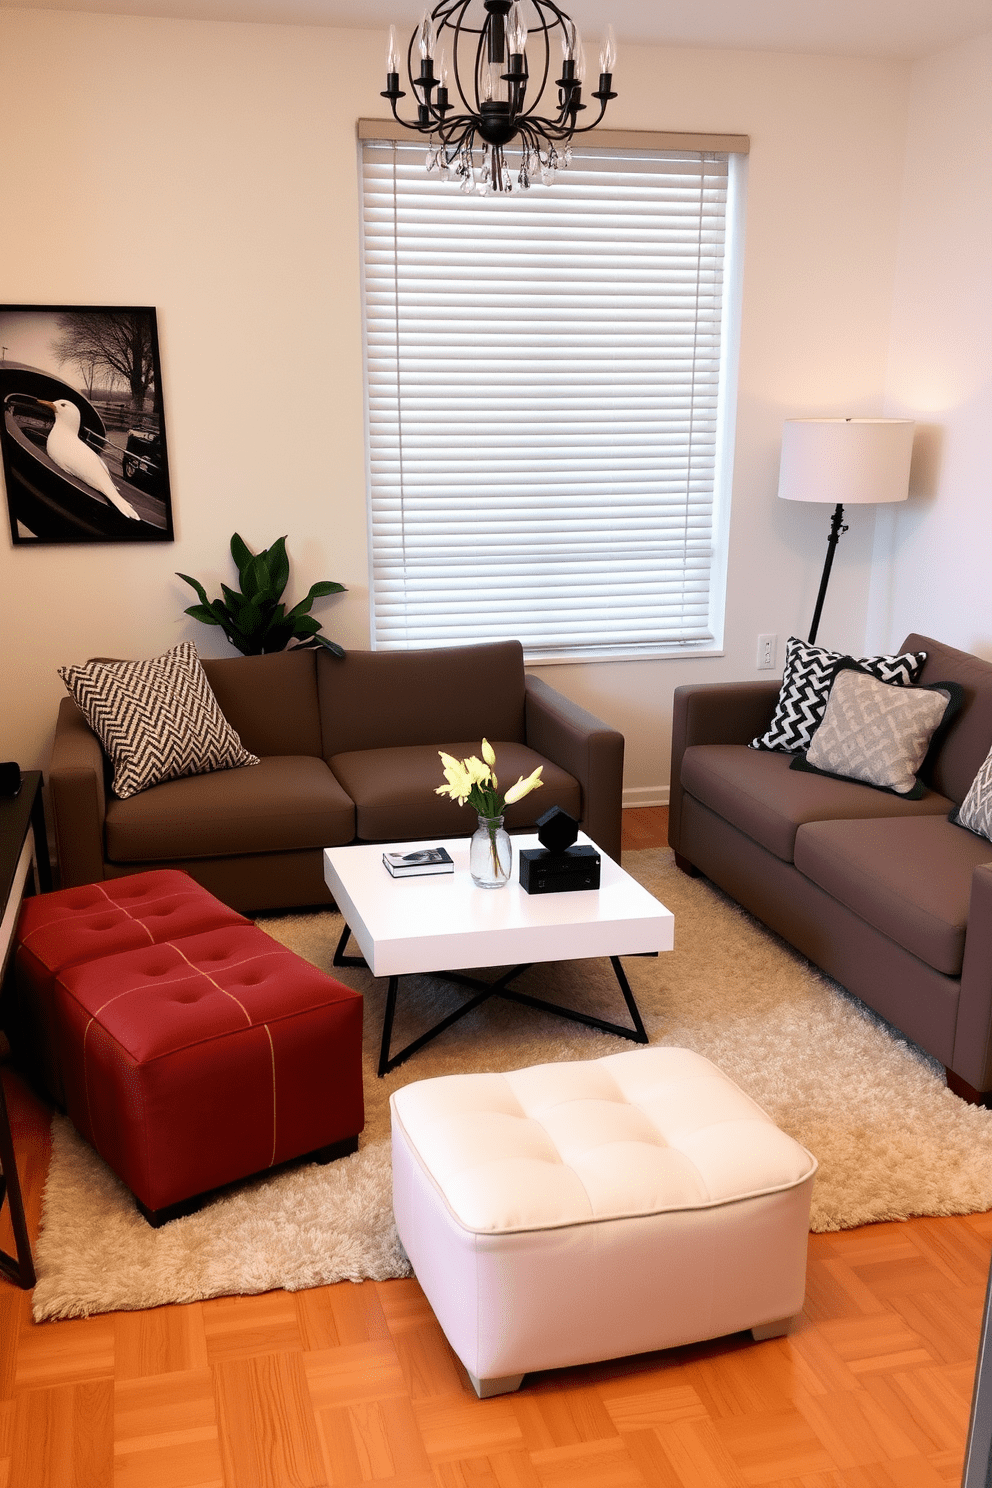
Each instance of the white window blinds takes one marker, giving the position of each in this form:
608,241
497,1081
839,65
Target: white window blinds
546,403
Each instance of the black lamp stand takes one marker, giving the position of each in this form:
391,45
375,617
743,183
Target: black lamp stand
837,526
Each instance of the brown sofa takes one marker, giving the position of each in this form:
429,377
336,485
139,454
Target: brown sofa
885,895
348,752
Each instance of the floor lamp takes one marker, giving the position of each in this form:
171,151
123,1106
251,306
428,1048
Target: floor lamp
856,461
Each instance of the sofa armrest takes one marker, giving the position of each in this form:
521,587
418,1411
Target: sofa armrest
78,798
714,713
972,1058
587,748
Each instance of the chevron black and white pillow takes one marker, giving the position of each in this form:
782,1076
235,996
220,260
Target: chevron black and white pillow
809,674
157,719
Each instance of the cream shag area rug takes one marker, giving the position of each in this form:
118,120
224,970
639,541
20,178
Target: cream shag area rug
890,1138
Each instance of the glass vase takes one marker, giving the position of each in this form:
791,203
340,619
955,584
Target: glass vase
490,855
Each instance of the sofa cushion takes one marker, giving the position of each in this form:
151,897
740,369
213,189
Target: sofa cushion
877,733
287,802
270,700
806,684
968,739
394,790
381,699
909,878
157,719
757,792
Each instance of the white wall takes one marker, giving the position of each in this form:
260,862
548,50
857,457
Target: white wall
209,170
935,553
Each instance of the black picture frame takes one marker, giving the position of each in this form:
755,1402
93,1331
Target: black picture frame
81,389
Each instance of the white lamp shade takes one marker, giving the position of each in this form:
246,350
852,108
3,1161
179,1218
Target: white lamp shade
853,461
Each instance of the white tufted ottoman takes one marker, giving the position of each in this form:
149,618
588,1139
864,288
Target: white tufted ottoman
574,1212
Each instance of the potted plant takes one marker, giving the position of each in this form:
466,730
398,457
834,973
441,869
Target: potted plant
255,620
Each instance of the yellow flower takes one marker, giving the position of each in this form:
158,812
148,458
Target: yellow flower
488,753
524,787
460,782
479,773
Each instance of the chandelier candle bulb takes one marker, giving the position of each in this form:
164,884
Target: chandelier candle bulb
516,35
427,38
441,97
392,55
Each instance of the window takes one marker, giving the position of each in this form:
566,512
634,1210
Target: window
550,399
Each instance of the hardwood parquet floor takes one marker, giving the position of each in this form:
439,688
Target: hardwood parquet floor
350,1385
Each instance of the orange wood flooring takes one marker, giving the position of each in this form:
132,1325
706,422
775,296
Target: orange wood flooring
350,1385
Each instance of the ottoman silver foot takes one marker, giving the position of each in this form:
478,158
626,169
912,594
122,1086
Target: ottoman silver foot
772,1330
485,1388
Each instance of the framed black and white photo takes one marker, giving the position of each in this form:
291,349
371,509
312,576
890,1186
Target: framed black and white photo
83,430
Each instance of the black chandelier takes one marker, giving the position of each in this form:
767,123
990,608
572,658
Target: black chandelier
492,71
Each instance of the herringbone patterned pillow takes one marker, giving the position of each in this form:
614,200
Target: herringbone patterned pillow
877,733
809,673
157,719
975,811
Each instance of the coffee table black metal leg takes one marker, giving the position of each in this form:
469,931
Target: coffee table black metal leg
637,1034
640,1035
386,1063
340,959
387,1028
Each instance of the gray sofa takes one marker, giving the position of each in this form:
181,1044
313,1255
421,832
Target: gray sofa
348,752
884,894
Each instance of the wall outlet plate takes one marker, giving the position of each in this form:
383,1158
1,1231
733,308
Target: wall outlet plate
767,651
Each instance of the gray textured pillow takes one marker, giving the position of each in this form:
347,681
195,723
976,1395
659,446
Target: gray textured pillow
878,733
156,719
975,811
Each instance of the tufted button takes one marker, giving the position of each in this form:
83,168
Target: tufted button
106,922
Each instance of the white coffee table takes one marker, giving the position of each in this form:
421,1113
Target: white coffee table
445,923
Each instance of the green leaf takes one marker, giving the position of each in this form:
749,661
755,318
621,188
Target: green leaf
317,591
305,625
241,553
202,613
194,584
255,580
277,564
332,646
234,597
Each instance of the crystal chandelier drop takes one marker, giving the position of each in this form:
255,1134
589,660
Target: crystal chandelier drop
492,70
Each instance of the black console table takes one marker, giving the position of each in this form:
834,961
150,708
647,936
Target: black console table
19,815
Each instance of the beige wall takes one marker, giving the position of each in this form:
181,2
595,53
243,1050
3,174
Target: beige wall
209,170
935,553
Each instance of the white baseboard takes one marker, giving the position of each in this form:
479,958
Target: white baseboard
645,795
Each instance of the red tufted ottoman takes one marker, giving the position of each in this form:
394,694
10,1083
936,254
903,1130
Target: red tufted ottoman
186,1045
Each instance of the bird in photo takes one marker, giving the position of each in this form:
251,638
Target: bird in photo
72,455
